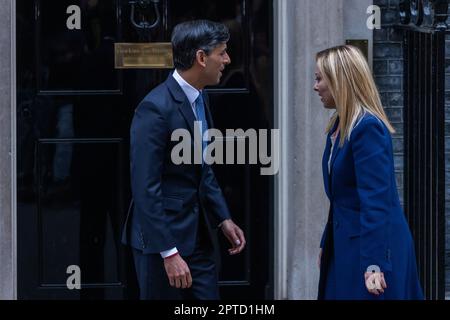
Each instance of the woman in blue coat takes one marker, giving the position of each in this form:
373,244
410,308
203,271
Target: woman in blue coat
367,251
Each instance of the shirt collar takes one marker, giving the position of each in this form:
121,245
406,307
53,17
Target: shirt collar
190,92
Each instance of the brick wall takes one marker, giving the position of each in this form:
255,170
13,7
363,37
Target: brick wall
388,72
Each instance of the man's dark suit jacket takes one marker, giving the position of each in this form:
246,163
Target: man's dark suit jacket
168,198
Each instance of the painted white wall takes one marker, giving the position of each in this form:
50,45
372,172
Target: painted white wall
355,22
7,151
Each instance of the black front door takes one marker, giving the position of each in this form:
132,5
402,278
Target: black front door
74,111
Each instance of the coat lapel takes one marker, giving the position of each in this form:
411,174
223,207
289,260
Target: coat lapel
326,175
336,149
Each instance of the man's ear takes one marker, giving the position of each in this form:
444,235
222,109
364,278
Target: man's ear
200,57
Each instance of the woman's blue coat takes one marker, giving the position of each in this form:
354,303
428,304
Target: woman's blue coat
367,226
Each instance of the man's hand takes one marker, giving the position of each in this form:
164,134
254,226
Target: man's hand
235,235
178,272
375,282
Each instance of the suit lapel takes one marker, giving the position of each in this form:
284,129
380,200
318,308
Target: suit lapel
188,114
183,102
184,106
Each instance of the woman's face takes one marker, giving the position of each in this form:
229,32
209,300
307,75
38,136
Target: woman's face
322,89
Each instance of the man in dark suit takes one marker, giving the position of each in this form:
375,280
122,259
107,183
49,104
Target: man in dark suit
175,206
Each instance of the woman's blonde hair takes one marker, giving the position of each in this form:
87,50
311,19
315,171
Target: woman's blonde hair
349,79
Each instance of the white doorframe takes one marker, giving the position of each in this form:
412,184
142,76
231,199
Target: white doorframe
8,221
281,119
13,150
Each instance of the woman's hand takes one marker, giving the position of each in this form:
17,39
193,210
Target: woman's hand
375,282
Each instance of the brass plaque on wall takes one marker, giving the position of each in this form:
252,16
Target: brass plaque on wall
362,45
153,55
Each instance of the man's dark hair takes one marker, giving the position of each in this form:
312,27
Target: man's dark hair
191,36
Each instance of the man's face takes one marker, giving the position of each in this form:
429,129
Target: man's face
215,63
